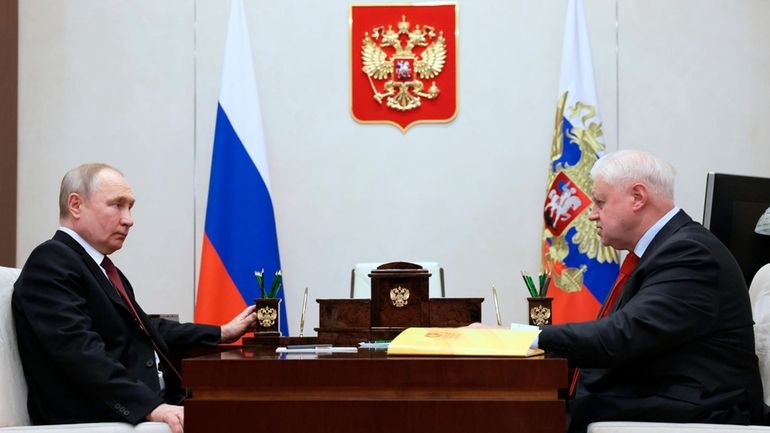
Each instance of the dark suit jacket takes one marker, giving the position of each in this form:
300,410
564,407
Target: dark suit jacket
85,358
679,346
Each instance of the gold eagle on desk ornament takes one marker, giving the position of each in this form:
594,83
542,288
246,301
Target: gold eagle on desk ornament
266,316
403,89
399,296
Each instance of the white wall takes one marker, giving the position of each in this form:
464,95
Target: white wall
113,81
135,84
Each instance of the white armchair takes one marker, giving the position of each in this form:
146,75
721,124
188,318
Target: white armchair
760,307
668,427
13,388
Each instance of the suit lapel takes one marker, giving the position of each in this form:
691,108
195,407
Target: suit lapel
95,269
113,294
634,282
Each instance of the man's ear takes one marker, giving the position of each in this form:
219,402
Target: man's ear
640,195
74,204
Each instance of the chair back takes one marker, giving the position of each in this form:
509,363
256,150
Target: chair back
760,308
13,388
361,284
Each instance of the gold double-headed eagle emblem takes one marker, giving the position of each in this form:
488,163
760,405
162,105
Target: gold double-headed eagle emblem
267,316
402,88
399,296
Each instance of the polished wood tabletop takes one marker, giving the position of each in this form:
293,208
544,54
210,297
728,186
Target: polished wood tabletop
370,391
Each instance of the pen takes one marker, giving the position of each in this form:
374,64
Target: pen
329,349
377,344
531,284
307,346
497,307
336,349
529,288
546,283
302,317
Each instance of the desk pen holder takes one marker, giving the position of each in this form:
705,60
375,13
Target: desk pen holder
268,317
540,311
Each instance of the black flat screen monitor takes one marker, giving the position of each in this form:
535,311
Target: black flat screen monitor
733,207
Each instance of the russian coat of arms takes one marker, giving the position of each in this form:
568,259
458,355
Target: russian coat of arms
404,71
403,68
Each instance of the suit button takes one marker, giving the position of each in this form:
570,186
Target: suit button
150,363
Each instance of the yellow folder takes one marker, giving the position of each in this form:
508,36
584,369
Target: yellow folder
465,342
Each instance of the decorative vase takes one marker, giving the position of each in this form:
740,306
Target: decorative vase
268,317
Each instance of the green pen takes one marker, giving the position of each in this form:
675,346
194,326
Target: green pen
546,283
532,285
527,283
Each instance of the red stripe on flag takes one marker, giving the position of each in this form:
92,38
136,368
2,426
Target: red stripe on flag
218,298
569,307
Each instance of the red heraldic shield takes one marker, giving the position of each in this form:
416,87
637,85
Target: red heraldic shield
563,203
403,63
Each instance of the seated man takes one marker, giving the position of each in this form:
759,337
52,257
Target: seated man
90,354
678,342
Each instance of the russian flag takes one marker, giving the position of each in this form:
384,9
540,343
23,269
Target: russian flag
582,270
240,234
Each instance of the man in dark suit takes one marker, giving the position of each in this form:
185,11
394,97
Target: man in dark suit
88,350
678,344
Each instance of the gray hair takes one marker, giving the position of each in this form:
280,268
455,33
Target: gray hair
627,166
81,180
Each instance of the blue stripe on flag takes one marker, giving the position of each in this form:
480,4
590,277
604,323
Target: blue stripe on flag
240,222
570,150
599,277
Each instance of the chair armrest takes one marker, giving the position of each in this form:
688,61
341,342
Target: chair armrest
666,427
97,427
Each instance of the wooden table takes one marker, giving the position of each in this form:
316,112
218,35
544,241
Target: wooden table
259,390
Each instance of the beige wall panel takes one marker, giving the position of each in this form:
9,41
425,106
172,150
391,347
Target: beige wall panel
693,88
112,81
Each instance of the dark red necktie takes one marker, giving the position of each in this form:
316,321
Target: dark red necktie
112,274
626,269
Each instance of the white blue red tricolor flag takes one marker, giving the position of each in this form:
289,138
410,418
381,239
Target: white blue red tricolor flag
582,270
240,234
